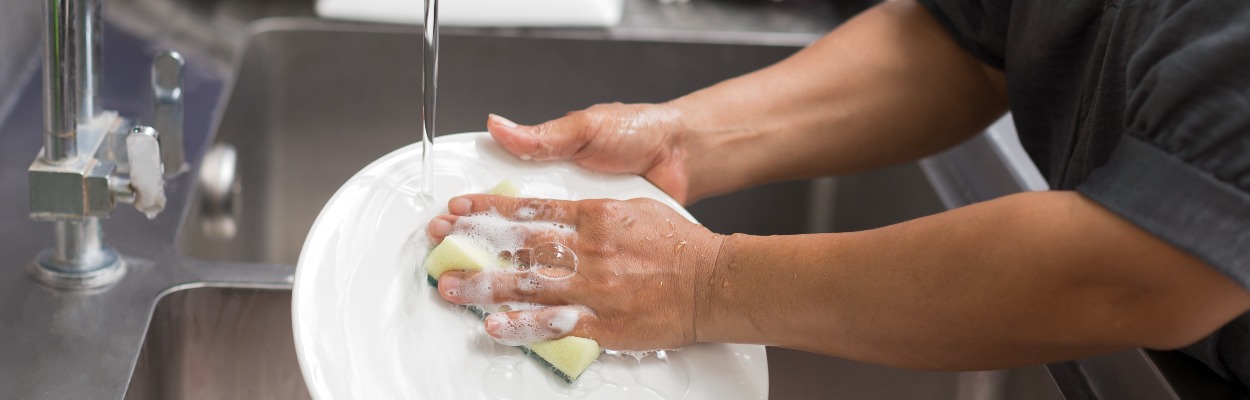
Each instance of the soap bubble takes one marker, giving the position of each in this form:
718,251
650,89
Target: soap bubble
554,260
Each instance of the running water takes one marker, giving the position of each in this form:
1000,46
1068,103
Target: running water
429,91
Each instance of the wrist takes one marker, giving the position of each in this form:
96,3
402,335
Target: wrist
708,294
688,146
711,146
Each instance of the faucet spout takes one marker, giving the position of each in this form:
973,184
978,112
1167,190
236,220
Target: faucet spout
71,70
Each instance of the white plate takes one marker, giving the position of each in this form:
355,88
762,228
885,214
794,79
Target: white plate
368,326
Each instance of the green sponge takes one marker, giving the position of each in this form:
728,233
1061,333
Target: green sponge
566,357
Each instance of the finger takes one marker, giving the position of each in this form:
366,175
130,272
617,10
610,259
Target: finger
440,227
519,328
552,140
499,287
519,209
501,234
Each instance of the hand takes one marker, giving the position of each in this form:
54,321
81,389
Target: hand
643,139
640,269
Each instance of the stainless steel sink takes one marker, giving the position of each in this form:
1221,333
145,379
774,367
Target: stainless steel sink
219,343
315,101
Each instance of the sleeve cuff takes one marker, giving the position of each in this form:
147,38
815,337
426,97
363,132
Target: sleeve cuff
1178,203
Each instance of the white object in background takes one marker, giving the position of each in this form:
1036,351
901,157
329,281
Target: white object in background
480,12
368,326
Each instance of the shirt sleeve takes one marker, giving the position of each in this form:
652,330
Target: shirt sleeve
980,27
1182,169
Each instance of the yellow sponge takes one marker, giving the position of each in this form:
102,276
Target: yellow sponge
569,355
506,188
458,253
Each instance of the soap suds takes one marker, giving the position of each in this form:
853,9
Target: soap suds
524,328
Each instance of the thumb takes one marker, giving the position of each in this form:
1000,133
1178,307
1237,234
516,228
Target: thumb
551,140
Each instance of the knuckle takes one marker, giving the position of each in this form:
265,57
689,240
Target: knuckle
581,118
643,201
602,208
602,249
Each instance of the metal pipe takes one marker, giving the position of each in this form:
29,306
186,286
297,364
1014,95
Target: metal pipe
87,36
78,247
71,78
60,79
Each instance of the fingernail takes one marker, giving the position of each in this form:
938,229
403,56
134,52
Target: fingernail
440,228
503,121
492,325
460,206
450,286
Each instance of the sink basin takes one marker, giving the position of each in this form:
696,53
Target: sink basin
219,343
315,101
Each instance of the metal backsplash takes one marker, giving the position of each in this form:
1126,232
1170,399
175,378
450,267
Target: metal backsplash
19,41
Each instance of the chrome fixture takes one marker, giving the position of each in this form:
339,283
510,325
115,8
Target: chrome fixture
91,158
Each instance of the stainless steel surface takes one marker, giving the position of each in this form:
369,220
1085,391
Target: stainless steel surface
219,343
220,193
960,174
75,188
20,44
61,40
85,32
167,105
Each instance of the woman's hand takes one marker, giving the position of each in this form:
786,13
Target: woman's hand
643,139
639,269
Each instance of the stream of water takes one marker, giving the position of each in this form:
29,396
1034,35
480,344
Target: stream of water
429,90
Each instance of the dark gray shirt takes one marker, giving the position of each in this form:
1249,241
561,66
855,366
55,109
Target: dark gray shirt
1142,106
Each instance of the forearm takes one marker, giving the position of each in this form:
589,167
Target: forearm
888,86
1029,278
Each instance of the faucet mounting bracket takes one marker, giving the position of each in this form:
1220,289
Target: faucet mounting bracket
78,188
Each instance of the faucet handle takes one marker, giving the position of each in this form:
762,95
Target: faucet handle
167,103
143,150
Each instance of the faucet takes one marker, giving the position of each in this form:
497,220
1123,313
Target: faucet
93,158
